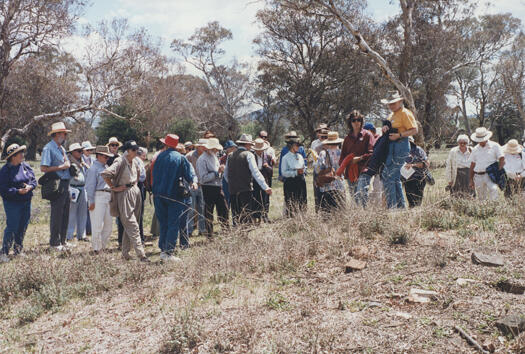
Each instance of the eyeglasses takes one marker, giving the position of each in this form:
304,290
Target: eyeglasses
356,120
263,137
113,145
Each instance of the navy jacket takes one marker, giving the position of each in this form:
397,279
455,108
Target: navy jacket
378,158
496,175
13,178
168,168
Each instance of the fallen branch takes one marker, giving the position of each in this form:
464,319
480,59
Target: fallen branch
470,340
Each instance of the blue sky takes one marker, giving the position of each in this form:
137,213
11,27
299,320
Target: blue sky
170,19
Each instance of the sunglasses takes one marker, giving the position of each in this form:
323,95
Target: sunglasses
113,145
356,120
79,151
263,137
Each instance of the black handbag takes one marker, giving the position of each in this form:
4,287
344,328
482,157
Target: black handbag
50,183
183,191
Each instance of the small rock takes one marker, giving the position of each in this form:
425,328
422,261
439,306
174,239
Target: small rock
353,265
374,304
510,287
421,296
487,260
512,324
404,315
463,282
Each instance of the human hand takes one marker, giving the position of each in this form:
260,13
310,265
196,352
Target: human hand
91,207
269,191
385,129
194,186
300,171
357,159
65,166
265,165
221,168
23,191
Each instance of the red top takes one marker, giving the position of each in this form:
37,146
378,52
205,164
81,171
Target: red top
362,145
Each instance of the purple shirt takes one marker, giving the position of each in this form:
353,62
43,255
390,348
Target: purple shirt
13,178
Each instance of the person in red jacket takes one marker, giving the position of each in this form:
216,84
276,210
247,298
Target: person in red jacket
360,143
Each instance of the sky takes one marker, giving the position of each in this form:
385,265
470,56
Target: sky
169,19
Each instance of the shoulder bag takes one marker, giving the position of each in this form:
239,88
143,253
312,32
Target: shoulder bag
326,175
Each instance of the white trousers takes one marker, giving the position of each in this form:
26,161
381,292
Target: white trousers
485,188
101,221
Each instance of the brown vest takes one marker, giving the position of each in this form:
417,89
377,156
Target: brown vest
239,174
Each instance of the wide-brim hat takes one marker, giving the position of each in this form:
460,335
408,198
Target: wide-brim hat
188,144
74,146
245,139
113,140
201,142
229,144
213,143
321,127
333,139
130,145
86,145
58,127
512,147
481,134
103,150
291,135
260,145
171,140
394,97
14,149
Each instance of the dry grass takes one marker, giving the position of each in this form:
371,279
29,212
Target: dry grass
280,287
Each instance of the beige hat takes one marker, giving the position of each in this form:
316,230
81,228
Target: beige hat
86,145
201,142
103,150
260,145
245,139
512,147
463,137
321,127
13,149
333,139
481,134
74,146
213,143
394,97
114,140
59,127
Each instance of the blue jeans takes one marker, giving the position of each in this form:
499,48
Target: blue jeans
397,155
197,207
184,236
77,216
17,218
169,216
363,186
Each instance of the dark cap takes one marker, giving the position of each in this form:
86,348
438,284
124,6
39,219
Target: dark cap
130,145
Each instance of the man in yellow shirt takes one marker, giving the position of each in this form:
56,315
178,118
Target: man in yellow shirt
403,125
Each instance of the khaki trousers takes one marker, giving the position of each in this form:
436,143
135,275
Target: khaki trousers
129,203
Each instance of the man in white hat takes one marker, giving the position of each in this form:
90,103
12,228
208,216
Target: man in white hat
78,203
241,169
483,155
99,195
265,164
54,160
209,173
197,199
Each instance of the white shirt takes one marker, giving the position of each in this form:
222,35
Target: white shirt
483,157
291,162
514,165
271,151
462,158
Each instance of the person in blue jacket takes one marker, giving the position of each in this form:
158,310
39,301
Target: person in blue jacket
168,194
17,182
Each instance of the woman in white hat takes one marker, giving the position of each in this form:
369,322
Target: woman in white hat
17,182
209,173
78,207
261,205
514,168
333,193
458,166
483,155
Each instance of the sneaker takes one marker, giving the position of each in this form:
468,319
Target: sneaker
163,256
58,248
4,258
173,259
70,245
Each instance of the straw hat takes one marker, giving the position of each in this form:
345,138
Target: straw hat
188,144
291,137
481,134
394,97
201,142
13,149
245,139
74,146
103,150
86,145
260,145
171,140
114,140
59,127
213,143
333,139
512,147
321,127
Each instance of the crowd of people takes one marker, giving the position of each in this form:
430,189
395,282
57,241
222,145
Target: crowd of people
87,186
